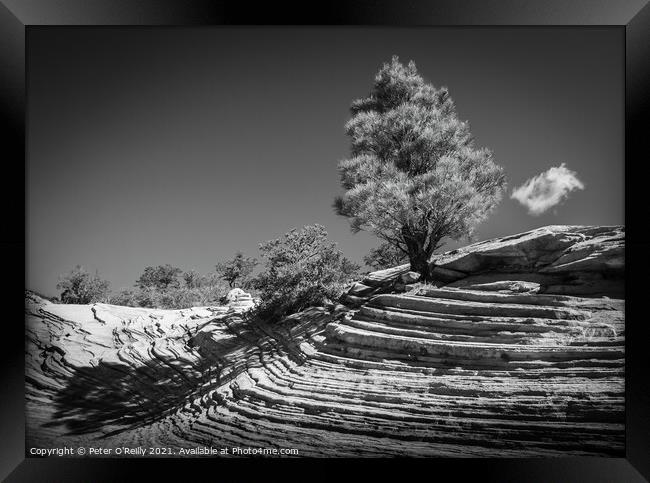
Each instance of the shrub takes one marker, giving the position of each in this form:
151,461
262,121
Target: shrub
302,269
185,297
191,290
385,256
80,287
193,279
160,277
125,297
238,269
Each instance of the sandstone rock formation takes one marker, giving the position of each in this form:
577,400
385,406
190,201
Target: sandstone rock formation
239,300
499,369
559,259
572,260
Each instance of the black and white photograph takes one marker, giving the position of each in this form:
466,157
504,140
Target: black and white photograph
325,242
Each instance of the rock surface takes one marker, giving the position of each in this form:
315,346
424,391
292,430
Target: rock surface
498,369
239,300
557,259
572,260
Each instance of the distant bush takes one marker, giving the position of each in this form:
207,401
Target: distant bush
238,270
161,277
385,256
126,297
80,287
50,298
172,289
193,279
185,297
302,269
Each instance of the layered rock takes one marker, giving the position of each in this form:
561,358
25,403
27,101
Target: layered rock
498,369
239,300
572,260
558,259
410,375
374,283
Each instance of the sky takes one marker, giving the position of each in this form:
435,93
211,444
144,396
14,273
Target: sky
184,145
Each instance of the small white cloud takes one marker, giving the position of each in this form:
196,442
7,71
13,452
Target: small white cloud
547,189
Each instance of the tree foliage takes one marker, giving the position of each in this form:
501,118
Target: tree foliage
303,268
160,277
414,177
193,279
80,287
237,270
166,288
385,256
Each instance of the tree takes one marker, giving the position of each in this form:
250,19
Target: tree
161,277
193,279
239,268
414,177
385,256
302,269
80,287
127,297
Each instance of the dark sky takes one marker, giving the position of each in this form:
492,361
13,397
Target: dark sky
182,146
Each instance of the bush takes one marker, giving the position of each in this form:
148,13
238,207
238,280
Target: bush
193,279
160,277
185,297
236,270
79,287
125,297
302,269
190,290
385,256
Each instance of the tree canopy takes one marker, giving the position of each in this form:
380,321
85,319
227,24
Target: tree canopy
415,176
238,269
80,287
385,256
303,268
160,277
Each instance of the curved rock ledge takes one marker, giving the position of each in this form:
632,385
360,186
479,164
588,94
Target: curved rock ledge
432,372
557,259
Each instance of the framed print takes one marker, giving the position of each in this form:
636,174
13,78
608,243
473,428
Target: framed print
271,239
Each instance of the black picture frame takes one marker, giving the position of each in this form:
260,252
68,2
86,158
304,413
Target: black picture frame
17,16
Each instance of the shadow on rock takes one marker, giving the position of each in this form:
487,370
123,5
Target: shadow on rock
112,397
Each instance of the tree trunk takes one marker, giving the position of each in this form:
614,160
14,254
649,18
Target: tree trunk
418,255
420,263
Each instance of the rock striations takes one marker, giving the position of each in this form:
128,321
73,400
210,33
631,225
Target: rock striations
493,367
559,259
